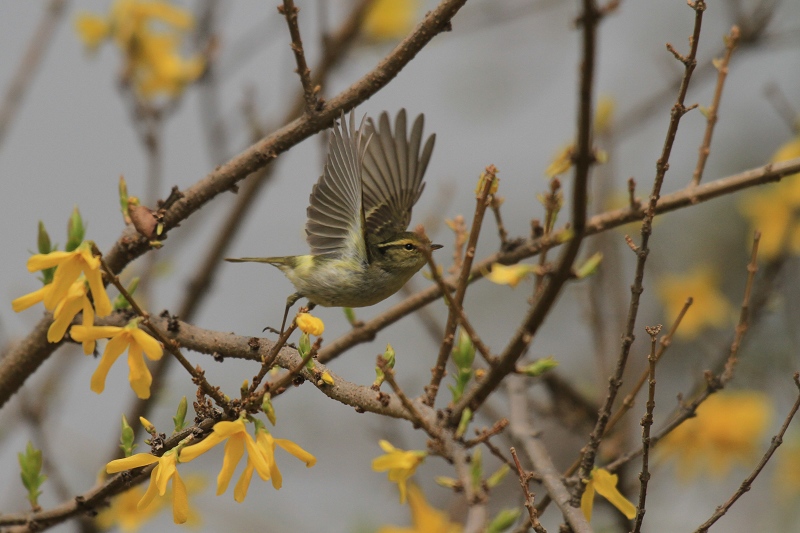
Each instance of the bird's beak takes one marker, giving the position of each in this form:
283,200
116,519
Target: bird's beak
436,246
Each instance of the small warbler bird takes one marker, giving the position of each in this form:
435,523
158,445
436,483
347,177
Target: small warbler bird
360,208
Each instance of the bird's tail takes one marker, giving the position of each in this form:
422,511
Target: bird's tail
277,261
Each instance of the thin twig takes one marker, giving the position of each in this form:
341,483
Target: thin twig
497,201
744,313
461,234
589,451
629,401
529,502
485,434
282,382
459,312
647,423
269,359
711,114
552,204
482,202
309,89
777,440
418,419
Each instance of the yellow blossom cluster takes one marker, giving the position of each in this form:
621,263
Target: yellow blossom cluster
78,275
153,64
260,455
772,210
260,459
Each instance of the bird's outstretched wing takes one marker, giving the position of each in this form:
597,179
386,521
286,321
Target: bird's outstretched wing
392,175
335,215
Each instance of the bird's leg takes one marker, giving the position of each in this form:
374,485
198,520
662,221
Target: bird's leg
290,301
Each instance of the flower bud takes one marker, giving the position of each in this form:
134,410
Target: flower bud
180,415
539,367
464,352
309,324
269,410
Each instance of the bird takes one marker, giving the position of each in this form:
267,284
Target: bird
358,216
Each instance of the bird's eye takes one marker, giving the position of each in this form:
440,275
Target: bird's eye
409,246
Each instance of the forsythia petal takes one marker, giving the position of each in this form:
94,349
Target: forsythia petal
30,299
114,349
234,450
127,463
180,500
606,486
587,500
297,451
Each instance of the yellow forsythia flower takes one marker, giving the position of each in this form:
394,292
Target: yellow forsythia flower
130,338
605,484
424,518
266,443
75,302
260,455
69,266
709,309
235,433
390,19
401,465
310,324
509,275
165,470
727,430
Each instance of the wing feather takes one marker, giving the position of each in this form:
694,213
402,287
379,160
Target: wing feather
392,174
335,212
